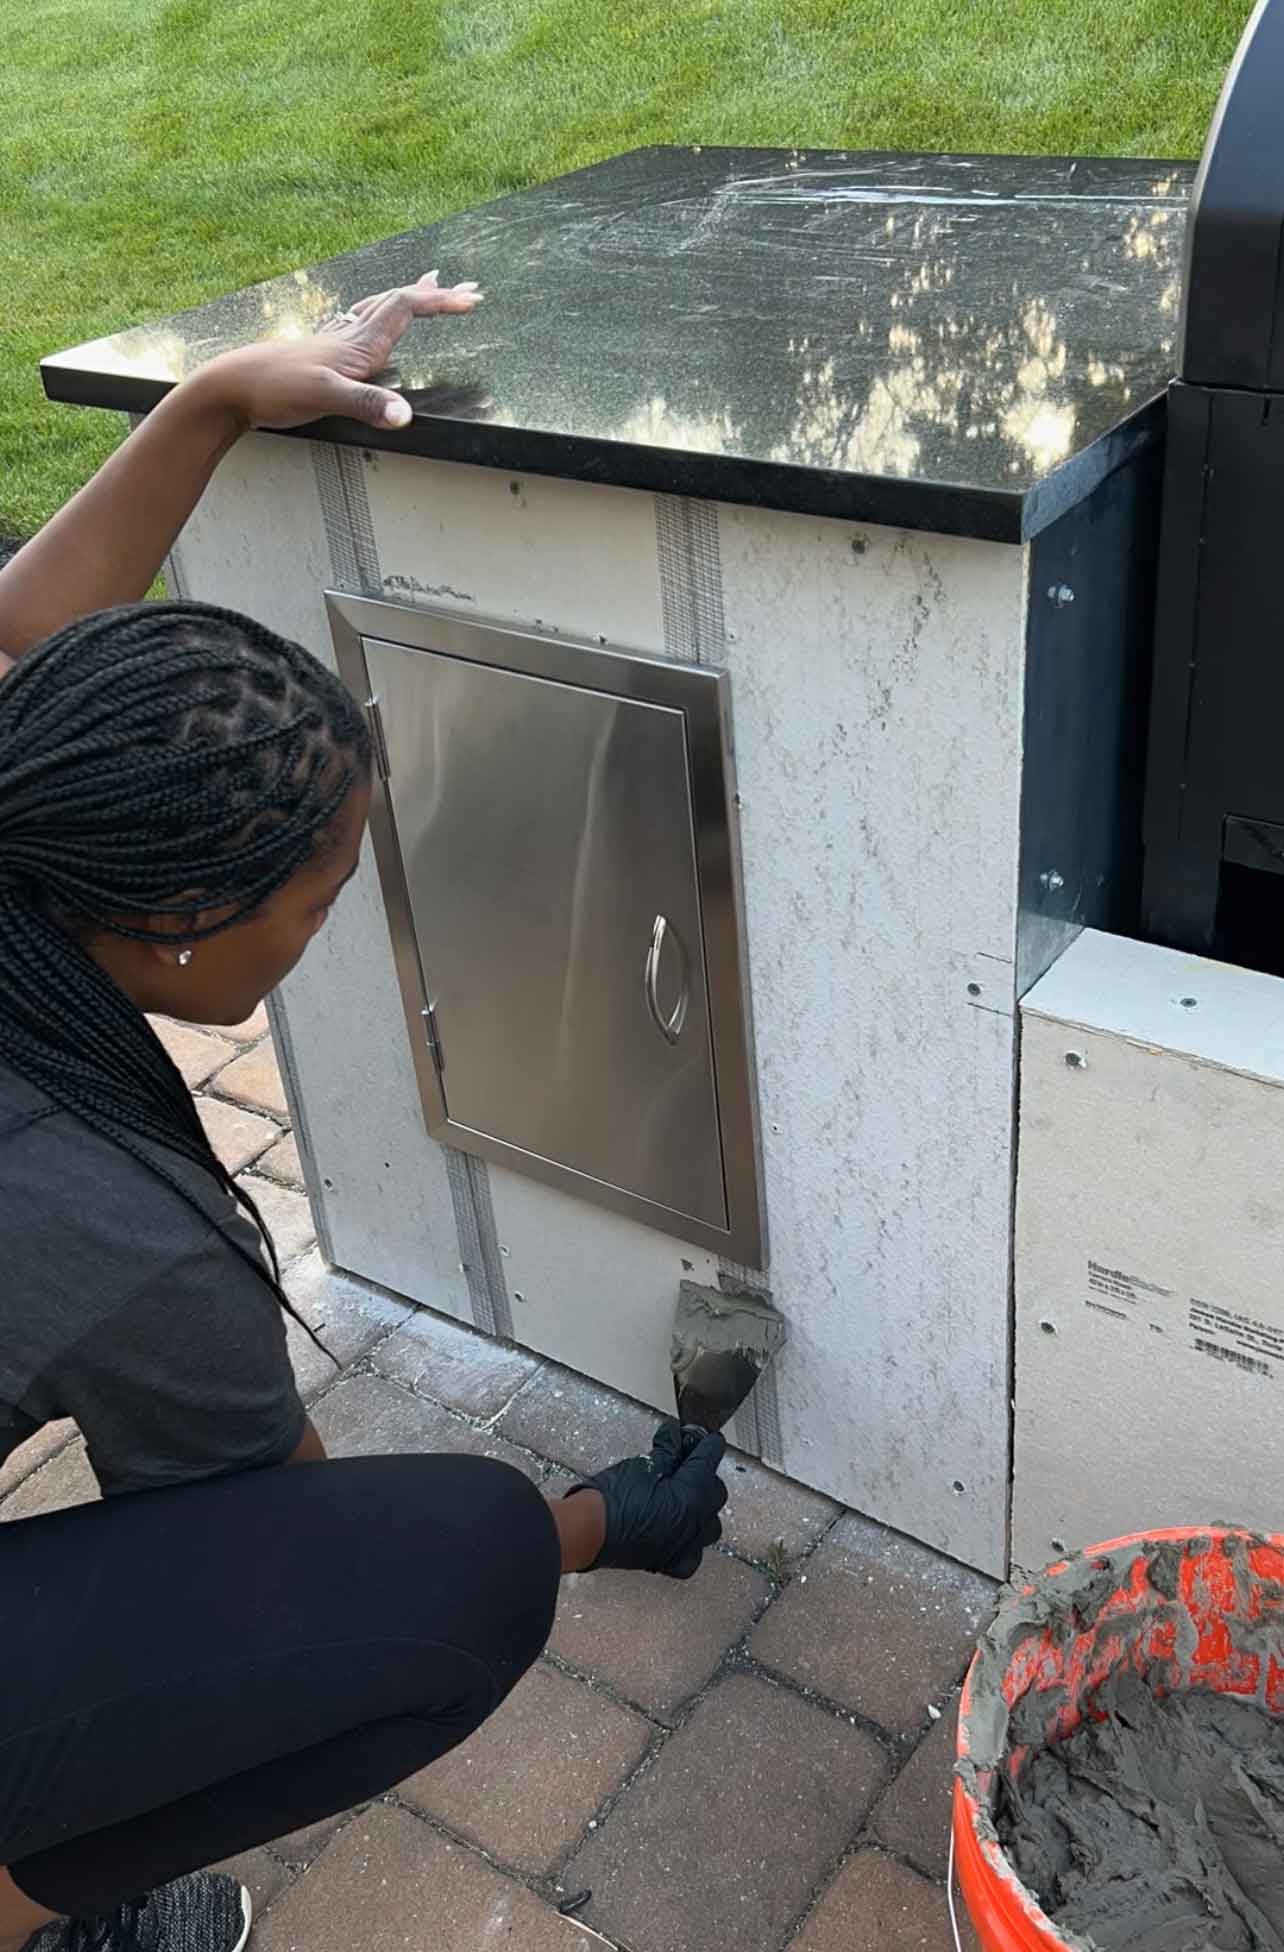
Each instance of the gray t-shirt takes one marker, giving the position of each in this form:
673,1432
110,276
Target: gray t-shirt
123,1308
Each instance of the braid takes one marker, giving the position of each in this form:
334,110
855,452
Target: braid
164,759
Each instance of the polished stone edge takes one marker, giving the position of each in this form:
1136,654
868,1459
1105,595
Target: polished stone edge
940,508
1048,500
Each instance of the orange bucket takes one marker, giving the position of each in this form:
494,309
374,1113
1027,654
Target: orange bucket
1169,1603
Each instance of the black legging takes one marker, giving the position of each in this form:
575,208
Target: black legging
191,1672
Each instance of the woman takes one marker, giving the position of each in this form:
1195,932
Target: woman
247,1647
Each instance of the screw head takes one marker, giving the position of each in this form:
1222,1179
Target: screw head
1060,594
1051,880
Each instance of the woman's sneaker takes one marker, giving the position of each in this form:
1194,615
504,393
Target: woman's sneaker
207,1912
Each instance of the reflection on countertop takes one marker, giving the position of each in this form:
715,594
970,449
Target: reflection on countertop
767,325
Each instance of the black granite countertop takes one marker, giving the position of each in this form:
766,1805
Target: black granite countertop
962,344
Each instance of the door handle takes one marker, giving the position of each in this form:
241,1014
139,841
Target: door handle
670,1028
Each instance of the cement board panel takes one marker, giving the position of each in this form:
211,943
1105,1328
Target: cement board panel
877,680
524,549
1150,1236
590,1288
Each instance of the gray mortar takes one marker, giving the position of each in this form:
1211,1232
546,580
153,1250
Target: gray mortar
1161,1827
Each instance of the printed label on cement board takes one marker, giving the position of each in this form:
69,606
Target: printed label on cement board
1125,1296
1228,1336
1224,1335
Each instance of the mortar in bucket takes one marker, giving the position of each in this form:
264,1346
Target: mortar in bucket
1190,1612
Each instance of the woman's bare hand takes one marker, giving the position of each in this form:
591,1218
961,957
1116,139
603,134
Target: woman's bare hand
289,382
109,541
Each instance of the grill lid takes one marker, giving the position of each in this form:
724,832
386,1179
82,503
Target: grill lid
1233,291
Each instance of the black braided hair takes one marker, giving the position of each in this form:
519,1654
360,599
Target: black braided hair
162,759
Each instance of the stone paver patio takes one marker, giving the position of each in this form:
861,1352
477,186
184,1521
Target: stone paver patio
754,1761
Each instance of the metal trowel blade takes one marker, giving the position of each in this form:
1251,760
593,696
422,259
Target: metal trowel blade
721,1345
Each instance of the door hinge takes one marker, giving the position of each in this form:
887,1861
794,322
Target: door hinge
429,1015
375,716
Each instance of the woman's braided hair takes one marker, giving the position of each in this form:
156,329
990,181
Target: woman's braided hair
163,759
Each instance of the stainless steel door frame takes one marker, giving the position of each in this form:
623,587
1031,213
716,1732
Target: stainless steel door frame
548,849
702,697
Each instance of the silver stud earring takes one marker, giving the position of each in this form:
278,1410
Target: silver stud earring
184,957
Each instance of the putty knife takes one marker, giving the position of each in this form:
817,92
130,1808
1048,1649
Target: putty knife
721,1345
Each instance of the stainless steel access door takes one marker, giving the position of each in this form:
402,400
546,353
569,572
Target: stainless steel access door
538,838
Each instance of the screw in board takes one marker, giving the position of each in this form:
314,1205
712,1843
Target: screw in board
1051,880
1060,594
1076,1061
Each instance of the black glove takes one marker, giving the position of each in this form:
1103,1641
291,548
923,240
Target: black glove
662,1510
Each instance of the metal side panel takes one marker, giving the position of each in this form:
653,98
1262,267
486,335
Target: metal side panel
552,843
1089,634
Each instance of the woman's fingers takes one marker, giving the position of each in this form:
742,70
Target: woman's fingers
394,309
686,1563
275,384
365,305
456,298
374,326
666,1448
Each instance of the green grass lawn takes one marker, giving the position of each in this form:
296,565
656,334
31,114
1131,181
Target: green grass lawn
154,153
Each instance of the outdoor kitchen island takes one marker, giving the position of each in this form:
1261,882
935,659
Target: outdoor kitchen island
756,620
